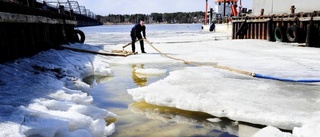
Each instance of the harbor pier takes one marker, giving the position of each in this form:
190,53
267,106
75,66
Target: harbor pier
273,24
28,27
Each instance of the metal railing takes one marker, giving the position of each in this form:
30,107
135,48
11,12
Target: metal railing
71,5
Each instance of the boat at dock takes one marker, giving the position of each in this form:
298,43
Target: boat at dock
28,27
290,21
219,18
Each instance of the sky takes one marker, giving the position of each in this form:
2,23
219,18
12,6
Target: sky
44,95
106,7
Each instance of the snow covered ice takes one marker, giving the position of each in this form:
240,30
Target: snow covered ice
44,95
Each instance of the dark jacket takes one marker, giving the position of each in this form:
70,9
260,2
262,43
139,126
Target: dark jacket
136,30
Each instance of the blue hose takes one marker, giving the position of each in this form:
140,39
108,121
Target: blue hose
285,79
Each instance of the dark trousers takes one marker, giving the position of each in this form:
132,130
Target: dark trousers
133,41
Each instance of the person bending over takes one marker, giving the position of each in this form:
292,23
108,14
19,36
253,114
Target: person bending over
136,33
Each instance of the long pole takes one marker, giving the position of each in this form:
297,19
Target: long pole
224,8
240,8
206,13
272,6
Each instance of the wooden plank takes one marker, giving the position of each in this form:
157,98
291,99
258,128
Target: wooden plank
252,20
95,52
309,19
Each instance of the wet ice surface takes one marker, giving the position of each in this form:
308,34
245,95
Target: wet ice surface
44,95
142,119
224,93
229,94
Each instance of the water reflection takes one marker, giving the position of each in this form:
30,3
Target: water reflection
138,79
144,120
196,119
96,79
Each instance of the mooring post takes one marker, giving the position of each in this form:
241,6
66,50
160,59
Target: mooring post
72,14
270,27
310,35
261,12
30,3
224,8
61,9
44,6
292,9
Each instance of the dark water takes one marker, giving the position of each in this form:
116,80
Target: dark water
144,120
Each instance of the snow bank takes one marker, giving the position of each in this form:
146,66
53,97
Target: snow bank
271,132
44,96
308,130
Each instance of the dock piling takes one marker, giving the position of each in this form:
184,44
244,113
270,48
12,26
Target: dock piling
26,29
302,28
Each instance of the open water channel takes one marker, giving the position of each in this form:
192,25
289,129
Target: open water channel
142,119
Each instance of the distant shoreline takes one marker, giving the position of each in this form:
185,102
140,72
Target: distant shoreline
129,23
123,23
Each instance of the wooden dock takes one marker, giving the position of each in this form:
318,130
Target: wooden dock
300,28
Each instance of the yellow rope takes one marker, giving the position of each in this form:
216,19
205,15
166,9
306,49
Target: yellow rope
234,70
199,63
163,54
